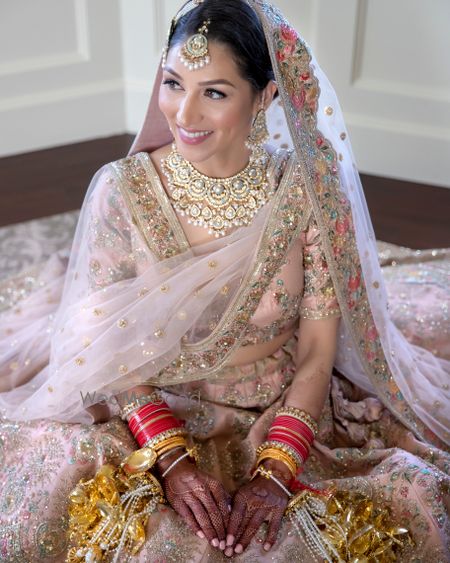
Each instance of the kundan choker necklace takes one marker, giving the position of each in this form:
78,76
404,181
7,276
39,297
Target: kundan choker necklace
217,203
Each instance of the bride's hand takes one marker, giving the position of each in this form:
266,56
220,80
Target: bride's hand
199,499
257,501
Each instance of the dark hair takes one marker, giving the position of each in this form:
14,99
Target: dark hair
236,25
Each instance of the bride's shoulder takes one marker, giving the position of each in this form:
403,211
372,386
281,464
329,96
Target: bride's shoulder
160,153
155,156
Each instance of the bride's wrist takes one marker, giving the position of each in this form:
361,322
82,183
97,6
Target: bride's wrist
162,464
279,469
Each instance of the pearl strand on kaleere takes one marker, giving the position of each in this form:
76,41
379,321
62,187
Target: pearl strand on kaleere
312,535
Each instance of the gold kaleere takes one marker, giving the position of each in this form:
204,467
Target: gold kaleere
346,527
108,514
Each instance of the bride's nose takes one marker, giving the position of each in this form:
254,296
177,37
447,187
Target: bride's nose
188,114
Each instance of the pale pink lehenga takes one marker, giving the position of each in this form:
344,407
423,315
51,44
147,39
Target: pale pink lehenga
360,445
128,270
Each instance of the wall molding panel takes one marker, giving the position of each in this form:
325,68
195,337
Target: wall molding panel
79,54
396,108
68,86
93,75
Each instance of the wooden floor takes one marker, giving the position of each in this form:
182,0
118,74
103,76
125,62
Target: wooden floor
54,180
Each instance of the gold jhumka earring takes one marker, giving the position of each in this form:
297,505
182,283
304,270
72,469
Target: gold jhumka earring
259,133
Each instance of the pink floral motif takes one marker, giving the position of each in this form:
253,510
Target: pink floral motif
285,52
370,356
288,34
337,250
298,99
342,225
404,491
372,333
354,282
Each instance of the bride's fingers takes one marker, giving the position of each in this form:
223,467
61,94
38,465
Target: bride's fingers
201,517
185,512
274,526
213,512
250,529
223,500
236,516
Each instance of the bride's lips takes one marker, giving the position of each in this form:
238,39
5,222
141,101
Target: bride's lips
192,136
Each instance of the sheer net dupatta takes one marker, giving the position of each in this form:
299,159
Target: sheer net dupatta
372,352
125,306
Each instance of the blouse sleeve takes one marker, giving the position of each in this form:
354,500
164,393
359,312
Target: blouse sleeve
319,298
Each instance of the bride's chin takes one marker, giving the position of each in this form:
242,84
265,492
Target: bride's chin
194,154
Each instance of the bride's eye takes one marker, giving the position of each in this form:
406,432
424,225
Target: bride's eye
172,84
215,94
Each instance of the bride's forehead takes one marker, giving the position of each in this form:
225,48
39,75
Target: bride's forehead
222,63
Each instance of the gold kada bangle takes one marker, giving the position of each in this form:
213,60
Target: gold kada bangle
281,446
169,444
179,431
272,453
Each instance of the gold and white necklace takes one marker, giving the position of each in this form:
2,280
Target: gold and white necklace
217,203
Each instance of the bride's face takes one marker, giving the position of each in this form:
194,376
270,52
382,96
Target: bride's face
209,110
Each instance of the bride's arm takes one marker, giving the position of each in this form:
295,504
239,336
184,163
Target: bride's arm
317,341
317,336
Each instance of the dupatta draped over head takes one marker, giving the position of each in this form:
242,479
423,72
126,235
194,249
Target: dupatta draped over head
140,305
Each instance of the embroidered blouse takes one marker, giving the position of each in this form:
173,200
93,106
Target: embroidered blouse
301,289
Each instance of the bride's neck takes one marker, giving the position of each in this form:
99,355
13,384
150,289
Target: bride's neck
223,165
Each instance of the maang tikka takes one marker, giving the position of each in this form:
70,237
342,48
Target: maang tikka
195,54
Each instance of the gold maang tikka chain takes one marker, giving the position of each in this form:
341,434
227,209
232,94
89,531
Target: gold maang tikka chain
217,203
194,54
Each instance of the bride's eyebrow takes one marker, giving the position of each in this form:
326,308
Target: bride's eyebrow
207,83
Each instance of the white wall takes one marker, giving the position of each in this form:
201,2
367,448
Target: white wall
78,69
61,72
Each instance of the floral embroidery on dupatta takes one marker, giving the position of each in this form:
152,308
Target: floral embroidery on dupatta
299,90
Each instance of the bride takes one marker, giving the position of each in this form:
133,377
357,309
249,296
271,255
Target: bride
224,292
